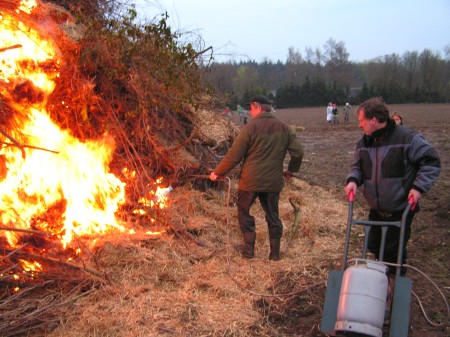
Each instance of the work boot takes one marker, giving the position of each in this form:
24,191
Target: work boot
247,249
274,250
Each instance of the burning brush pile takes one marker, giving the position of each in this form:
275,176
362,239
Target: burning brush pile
82,156
96,128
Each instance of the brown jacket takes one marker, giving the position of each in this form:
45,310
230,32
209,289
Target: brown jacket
262,146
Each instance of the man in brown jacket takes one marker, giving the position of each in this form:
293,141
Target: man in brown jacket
261,146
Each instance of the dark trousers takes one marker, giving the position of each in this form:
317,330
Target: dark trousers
269,203
392,238
346,117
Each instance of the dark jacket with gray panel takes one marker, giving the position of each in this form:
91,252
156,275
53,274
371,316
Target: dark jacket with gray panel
261,146
391,162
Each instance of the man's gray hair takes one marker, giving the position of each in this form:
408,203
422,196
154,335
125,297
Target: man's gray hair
264,107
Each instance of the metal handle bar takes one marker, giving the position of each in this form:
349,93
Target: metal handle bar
384,226
205,176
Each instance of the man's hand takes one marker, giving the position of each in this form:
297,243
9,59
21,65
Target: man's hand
415,194
351,186
213,176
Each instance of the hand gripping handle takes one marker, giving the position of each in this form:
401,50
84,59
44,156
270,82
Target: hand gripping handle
411,201
351,195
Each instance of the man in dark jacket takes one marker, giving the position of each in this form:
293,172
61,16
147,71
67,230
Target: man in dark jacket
393,163
261,146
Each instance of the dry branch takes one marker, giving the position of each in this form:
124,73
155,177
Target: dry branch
22,230
11,47
31,147
39,306
13,252
15,142
185,232
291,234
70,265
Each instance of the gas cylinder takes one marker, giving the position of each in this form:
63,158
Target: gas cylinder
362,300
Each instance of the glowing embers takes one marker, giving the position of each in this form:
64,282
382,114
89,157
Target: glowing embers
156,196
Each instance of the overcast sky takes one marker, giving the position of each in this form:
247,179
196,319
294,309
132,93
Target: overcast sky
258,29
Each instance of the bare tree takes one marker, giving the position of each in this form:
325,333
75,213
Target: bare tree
221,76
337,65
430,70
410,63
447,73
246,80
293,63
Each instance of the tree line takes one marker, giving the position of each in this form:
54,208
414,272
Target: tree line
320,76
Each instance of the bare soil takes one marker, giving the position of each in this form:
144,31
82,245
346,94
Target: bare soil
328,154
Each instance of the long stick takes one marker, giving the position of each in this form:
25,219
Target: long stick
32,147
10,47
294,228
29,231
91,271
15,142
13,252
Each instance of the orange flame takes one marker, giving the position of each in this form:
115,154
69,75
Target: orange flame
27,5
70,177
155,197
73,174
30,266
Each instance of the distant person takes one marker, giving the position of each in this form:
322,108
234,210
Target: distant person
335,114
329,113
261,147
346,112
393,164
240,110
397,118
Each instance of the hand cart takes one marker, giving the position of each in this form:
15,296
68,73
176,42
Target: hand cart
355,298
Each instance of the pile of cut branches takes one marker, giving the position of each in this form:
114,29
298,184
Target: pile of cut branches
134,82
137,83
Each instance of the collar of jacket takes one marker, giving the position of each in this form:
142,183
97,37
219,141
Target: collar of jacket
265,115
381,133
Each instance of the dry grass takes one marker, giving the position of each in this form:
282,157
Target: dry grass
173,284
